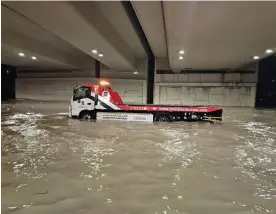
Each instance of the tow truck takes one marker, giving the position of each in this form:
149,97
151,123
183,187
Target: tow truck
100,102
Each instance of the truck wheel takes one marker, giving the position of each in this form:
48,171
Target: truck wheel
86,116
164,118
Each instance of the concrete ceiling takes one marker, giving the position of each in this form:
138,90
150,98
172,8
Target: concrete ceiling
81,27
150,15
9,55
22,35
213,34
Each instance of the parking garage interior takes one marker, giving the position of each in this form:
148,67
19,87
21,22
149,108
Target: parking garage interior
190,53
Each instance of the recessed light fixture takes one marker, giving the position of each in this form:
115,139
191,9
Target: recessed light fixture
181,57
100,55
268,51
135,72
181,52
21,54
34,58
94,51
256,57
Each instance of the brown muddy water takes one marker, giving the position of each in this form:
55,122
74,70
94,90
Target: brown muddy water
53,164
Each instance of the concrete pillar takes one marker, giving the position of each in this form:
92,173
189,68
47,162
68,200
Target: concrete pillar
130,11
150,79
8,75
97,69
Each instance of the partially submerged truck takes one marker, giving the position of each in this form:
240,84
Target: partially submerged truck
100,102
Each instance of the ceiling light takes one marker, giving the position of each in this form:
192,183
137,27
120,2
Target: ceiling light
268,51
21,54
100,55
181,57
181,52
34,58
256,57
135,72
94,51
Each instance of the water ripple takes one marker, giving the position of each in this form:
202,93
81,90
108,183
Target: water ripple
256,158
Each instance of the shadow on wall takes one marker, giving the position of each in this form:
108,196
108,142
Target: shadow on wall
266,87
8,75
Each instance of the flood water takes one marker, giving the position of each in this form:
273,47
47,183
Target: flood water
53,164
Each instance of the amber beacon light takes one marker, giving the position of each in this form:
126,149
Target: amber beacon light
104,83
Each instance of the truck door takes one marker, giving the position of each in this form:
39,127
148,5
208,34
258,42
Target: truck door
82,100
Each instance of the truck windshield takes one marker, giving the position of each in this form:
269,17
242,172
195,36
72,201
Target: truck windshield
81,92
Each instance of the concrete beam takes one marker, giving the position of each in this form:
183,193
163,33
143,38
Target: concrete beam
83,26
16,39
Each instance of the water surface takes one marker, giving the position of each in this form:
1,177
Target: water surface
53,164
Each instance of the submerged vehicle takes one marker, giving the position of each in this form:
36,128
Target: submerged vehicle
100,102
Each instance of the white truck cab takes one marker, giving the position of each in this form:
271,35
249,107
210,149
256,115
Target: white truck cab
84,101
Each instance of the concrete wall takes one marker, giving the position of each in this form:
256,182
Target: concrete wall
60,89
229,89
58,85
106,72
222,89
56,73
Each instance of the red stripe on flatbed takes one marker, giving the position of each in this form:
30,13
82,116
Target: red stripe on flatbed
167,108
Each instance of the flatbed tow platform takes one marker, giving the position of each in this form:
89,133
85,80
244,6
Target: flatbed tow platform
99,102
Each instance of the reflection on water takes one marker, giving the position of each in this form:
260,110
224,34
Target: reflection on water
53,164
256,158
